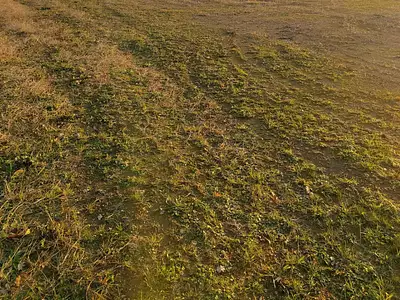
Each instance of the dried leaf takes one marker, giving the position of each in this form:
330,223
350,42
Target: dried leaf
274,198
18,173
218,195
18,281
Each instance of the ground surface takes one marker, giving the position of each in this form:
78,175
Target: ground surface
199,149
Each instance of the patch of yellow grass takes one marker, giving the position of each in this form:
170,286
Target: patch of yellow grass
16,17
28,82
22,118
7,50
3,138
107,60
37,87
371,5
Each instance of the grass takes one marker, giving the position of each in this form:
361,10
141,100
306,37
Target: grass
149,156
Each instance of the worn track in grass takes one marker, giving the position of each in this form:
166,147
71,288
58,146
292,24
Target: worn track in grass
199,150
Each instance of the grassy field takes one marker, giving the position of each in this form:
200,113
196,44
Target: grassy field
216,149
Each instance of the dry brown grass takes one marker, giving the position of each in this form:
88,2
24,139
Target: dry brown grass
16,17
33,136
108,59
67,162
368,6
7,50
37,87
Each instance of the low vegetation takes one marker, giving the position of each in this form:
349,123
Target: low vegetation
148,155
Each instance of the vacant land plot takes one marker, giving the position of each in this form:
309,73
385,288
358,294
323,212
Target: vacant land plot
199,149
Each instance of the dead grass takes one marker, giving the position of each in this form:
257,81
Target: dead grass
16,17
107,61
7,50
368,6
37,87
138,154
